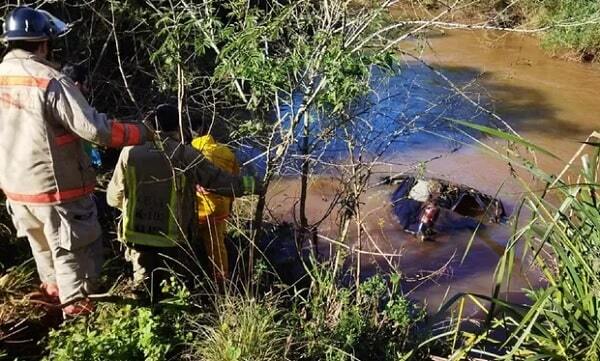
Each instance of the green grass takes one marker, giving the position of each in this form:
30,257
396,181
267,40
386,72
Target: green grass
561,237
564,238
243,328
327,321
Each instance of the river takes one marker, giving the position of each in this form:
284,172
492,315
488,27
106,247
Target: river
551,102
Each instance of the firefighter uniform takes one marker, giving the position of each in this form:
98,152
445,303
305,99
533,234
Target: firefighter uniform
153,185
214,209
45,173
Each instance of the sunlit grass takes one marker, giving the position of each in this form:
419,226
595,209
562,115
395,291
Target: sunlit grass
561,234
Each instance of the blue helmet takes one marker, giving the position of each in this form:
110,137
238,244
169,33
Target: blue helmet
27,24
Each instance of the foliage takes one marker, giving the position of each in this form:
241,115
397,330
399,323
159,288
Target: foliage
574,24
563,322
341,323
242,328
562,236
122,332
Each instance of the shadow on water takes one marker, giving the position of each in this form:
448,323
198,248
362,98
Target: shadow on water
419,101
526,108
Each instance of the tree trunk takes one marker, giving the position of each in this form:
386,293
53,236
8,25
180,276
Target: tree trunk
304,231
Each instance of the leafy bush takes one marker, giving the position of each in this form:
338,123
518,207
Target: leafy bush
117,333
574,24
122,333
341,323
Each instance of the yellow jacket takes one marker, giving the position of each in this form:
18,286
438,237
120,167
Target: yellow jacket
210,205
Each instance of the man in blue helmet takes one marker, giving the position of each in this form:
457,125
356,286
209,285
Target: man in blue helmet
44,172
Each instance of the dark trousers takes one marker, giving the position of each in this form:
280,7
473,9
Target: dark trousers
152,266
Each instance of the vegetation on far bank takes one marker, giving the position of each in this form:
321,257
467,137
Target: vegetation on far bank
568,28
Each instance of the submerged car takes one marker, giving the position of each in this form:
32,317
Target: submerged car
459,206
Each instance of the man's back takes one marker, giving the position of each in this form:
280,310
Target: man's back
157,198
162,175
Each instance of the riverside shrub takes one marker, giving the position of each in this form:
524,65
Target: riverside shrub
574,24
123,332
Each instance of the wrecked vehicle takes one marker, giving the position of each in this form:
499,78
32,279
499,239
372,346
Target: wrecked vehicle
425,206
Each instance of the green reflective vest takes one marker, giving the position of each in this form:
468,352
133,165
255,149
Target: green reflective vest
153,206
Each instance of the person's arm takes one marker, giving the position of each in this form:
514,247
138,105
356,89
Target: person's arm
66,104
215,180
115,192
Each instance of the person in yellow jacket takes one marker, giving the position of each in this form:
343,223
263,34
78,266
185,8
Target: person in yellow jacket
45,174
214,209
154,184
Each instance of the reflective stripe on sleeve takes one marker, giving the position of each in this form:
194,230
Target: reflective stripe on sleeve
124,134
129,234
20,80
117,135
51,197
135,135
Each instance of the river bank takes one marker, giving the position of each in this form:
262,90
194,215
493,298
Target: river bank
567,29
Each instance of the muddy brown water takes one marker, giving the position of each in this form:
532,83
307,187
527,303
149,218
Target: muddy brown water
554,103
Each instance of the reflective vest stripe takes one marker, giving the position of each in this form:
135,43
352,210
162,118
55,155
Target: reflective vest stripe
153,240
130,202
51,197
19,80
